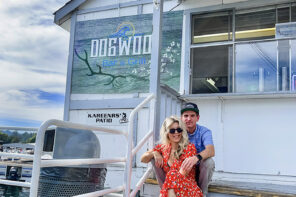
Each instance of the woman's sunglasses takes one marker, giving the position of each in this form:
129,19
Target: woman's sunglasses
179,130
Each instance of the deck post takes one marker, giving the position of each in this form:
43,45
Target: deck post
155,67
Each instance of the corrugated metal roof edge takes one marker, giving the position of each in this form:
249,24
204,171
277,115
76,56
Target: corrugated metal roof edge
66,9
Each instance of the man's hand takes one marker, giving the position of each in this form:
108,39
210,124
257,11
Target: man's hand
158,159
188,163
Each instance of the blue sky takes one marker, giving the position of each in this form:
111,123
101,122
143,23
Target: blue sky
33,62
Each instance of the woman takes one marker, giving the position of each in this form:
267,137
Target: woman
174,148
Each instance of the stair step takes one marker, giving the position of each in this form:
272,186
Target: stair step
252,189
229,188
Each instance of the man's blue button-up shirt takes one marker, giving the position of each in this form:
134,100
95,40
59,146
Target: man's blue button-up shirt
201,137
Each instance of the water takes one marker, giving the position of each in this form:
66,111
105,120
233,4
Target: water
13,191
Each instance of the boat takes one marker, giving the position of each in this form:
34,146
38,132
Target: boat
14,168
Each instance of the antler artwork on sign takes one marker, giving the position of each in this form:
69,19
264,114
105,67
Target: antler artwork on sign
100,72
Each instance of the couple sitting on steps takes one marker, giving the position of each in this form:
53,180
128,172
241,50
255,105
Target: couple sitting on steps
182,161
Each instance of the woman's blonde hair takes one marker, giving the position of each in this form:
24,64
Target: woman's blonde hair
164,131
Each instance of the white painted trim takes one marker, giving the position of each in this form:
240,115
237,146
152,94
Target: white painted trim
70,67
185,55
183,59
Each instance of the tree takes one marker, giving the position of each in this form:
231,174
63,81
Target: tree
32,139
14,139
3,138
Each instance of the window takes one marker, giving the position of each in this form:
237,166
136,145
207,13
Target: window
293,12
255,24
211,66
283,65
253,60
212,27
283,15
256,67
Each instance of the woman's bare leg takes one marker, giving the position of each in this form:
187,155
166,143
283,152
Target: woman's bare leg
171,193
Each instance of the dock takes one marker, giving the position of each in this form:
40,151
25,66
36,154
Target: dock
17,163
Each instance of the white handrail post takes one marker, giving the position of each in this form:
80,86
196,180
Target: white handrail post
141,181
154,89
37,157
129,154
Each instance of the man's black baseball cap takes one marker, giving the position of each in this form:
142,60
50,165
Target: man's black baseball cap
190,107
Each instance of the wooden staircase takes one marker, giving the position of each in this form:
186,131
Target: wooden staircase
230,189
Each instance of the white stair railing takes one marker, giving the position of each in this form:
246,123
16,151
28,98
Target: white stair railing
38,163
131,152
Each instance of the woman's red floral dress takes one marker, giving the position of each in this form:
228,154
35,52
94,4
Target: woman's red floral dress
182,185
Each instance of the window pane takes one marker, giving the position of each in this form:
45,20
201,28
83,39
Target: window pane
283,15
284,65
212,27
256,67
211,66
255,25
293,13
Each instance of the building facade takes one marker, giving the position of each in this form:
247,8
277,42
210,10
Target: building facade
234,58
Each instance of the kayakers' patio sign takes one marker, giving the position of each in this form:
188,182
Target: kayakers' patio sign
113,55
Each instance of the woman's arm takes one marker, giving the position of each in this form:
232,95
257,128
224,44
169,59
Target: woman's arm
189,152
155,153
146,157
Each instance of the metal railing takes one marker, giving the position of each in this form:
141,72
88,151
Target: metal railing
16,155
39,163
131,151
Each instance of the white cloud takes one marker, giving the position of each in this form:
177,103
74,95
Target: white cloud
15,104
17,76
30,40
33,56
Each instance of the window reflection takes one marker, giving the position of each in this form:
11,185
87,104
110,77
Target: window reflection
256,67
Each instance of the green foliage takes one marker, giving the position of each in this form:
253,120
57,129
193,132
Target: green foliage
3,138
32,139
15,137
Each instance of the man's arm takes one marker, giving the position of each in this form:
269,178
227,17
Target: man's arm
209,151
188,163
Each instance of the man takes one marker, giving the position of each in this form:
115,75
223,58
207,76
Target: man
201,137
